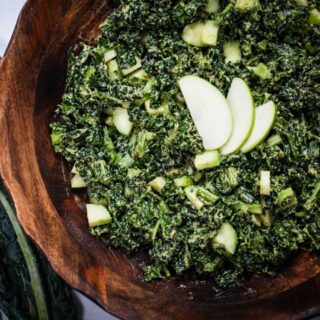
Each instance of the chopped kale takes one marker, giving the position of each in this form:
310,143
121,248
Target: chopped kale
280,58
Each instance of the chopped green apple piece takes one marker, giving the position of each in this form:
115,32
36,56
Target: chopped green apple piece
244,5
133,68
158,183
256,220
210,33
192,34
140,74
243,113
74,170
201,34
183,182
209,110
109,121
197,176
127,191
266,219
97,215
227,237
314,17
121,121
303,3
77,182
232,52
212,6
110,55
265,183
264,121
191,194
126,105
113,70
206,160
108,111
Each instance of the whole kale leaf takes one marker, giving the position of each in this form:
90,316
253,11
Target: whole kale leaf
29,288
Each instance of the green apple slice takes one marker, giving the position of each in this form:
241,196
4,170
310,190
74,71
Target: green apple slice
243,113
264,121
209,110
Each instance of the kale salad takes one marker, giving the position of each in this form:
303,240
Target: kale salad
194,125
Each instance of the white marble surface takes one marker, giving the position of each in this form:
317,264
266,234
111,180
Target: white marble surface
9,12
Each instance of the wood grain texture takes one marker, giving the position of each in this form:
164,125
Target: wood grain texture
32,79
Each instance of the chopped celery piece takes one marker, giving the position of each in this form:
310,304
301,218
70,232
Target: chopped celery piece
207,195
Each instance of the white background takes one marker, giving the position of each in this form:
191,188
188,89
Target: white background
9,11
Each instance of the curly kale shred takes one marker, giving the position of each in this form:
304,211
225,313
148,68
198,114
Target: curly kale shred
280,52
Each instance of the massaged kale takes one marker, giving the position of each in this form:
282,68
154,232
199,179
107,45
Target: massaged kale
147,179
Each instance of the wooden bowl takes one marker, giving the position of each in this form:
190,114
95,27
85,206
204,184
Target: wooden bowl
31,83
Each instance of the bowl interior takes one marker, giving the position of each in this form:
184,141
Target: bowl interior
70,205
